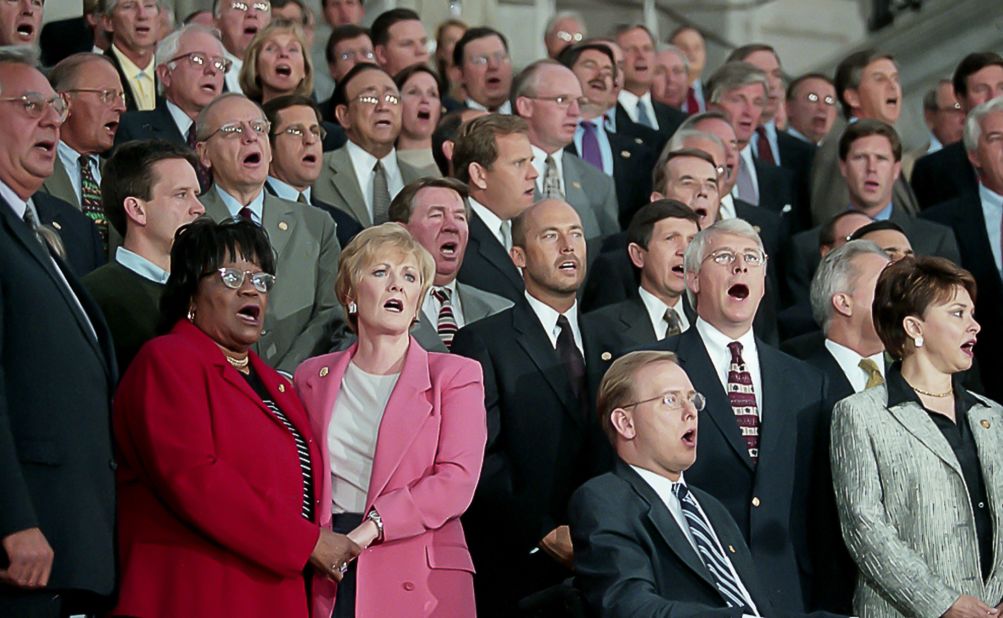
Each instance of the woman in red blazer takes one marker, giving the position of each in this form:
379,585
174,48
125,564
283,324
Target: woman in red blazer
217,469
402,434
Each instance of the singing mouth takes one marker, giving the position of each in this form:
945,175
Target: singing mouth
568,266
395,305
283,70
449,249
739,291
249,313
690,438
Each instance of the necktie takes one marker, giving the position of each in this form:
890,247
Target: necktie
246,213
552,181
90,198
506,234
692,105
763,151
381,194
873,373
643,117
572,359
446,324
742,395
746,189
203,173
674,325
590,145
710,553
32,222
301,198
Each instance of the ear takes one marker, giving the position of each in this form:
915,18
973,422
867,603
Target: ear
637,254
623,423
478,176
381,54
973,158
135,210
518,257
341,115
203,153
852,97
842,167
912,326
842,304
524,107
655,196
107,24
164,75
693,283
447,149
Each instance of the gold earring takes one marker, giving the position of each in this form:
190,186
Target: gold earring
191,313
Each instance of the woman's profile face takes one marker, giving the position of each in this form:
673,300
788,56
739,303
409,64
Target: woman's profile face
387,294
949,332
422,105
281,67
232,317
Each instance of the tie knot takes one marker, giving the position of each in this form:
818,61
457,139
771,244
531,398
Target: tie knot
589,126
378,167
682,492
562,321
761,131
441,294
85,161
736,351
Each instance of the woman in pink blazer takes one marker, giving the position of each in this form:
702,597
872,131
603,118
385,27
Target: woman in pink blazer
403,433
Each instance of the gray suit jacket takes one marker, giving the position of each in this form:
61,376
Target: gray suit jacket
593,196
59,185
303,312
476,304
904,507
339,186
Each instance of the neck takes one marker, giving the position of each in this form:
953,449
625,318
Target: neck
669,299
69,141
380,353
244,194
591,111
870,211
414,143
733,330
443,280
850,337
299,187
558,301
631,457
546,148
139,57
146,248
23,190
234,354
189,110
636,89
377,150
920,373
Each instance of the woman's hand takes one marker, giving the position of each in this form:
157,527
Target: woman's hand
970,607
332,552
365,533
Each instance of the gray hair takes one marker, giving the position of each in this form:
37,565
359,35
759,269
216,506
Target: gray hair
695,119
669,47
107,6
202,121
19,54
973,124
733,75
837,274
169,46
697,250
527,81
552,22
680,137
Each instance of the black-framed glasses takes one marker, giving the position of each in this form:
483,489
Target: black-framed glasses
234,278
725,257
35,104
374,100
675,401
363,56
199,61
813,97
107,96
301,131
564,100
232,130
261,7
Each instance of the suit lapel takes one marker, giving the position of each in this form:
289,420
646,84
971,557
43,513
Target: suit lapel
215,209
166,126
59,185
916,421
636,325
535,342
903,196
426,334
346,183
277,217
471,305
986,428
774,384
492,251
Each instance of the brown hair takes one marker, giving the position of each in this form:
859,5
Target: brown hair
402,207
617,387
866,128
477,141
660,173
250,82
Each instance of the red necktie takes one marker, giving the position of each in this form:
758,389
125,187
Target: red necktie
692,105
763,151
742,395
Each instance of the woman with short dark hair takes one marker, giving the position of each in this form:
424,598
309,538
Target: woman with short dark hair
421,108
918,462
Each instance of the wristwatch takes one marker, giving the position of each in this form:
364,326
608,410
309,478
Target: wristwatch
374,517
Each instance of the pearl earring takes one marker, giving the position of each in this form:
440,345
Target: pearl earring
353,308
918,341
191,314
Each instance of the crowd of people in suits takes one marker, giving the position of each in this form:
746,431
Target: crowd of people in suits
418,334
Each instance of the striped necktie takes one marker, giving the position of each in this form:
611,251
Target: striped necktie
709,551
381,194
551,181
674,325
742,395
446,324
90,198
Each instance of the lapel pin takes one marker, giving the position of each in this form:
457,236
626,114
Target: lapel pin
283,226
625,154
731,548
323,372
282,388
56,225
985,423
576,184
606,356
638,140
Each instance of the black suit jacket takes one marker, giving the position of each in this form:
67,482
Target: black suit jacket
84,251
56,468
156,123
347,226
767,499
944,175
796,156
633,161
63,38
669,119
130,97
623,326
486,264
776,190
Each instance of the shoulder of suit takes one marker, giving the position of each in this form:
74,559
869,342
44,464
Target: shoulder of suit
489,298
866,400
442,365
608,487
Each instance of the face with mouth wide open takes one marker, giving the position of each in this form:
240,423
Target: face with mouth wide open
20,21
297,159
422,106
233,318
728,295
879,95
29,143
135,24
387,294
949,332
239,162
371,122
187,84
90,128
281,66
439,223
238,22
551,252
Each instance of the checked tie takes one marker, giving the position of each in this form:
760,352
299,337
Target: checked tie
551,181
674,325
742,395
90,198
446,325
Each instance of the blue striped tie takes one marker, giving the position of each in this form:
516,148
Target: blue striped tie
710,554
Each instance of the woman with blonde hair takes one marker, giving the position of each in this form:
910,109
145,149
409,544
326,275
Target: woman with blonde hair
277,62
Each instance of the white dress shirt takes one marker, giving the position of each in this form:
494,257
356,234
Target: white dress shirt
747,162
540,163
630,101
431,305
286,191
181,120
495,224
141,266
70,159
232,77
363,164
727,210
849,362
716,344
992,210
548,318
504,108
656,313
257,204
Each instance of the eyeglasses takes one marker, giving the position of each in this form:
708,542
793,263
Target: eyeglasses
483,59
260,7
673,401
813,97
199,60
107,96
349,56
950,109
569,37
725,257
300,131
564,100
35,104
234,278
236,129
374,100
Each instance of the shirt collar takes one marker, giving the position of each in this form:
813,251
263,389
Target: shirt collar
798,134
257,204
540,162
69,157
285,190
989,197
451,286
490,219
656,308
848,358
181,119
129,67
627,97
609,119
363,160
935,144
661,485
719,340
899,391
16,202
548,315
141,266
504,108
727,209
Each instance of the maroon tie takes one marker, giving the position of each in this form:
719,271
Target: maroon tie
763,151
246,213
692,105
742,395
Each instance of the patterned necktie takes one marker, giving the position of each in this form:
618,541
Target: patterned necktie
551,181
590,145
742,395
763,151
674,325
90,198
692,105
643,117
201,171
571,357
446,324
874,377
381,194
746,189
710,553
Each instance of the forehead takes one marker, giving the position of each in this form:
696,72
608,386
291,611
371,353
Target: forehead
850,224
688,37
431,197
370,79
551,215
359,41
17,79
815,84
484,45
392,255
871,143
881,66
749,90
595,56
96,72
634,36
888,238
945,92
719,127
715,150
171,173
297,114
669,58
690,166
554,77
408,27
199,41
420,78
282,37
662,376
513,145
732,241
675,224
991,73
567,23
235,108
992,122
765,60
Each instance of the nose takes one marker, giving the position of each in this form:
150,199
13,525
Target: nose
195,207
574,108
531,173
975,327
248,136
143,11
27,7
118,104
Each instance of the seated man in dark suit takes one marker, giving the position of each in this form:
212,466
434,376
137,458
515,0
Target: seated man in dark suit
543,441
635,104
149,191
297,134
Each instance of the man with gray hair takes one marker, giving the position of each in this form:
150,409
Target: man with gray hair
133,27
760,400
564,29
671,80
634,101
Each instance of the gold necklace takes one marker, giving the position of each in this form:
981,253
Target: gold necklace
238,363
948,393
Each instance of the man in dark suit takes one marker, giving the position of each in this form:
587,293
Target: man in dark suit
83,251
542,440
948,174
134,30
56,461
634,101
762,405
493,156
808,247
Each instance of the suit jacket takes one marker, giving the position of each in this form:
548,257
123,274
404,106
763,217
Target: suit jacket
303,315
487,266
776,190
63,38
84,252
476,304
345,226
632,558
633,161
669,119
624,326
153,124
130,96
766,499
943,176
339,186
55,444
904,506
796,156
592,194
191,433
59,186
427,460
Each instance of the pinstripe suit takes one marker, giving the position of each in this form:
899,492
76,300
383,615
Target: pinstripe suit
904,506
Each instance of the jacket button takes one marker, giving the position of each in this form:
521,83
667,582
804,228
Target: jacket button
112,464
408,586
755,501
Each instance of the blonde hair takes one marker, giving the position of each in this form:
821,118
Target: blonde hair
368,246
250,81
617,387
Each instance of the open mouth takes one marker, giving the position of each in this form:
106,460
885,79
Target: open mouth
598,84
46,146
892,101
968,347
26,31
209,87
701,212
568,266
739,291
310,158
678,269
690,438
424,114
493,81
283,70
112,126
253,158
395,305
383,123
640,68
872,185
449,249
250,30
249,313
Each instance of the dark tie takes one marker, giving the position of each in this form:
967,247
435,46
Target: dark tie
246,213
742,395
301,198
32,223
590,145
551,181
90,198
446,324
643,117
381,194
710,553
763,151
692,105
574,364
203,173
674,325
